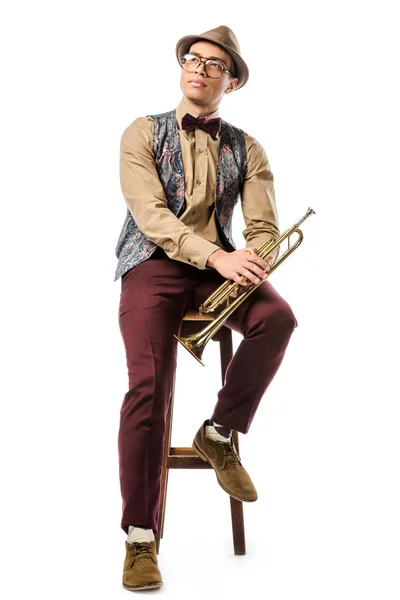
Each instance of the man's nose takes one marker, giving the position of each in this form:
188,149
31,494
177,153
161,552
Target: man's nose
201,70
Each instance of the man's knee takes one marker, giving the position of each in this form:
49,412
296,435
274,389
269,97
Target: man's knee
284,317
276,319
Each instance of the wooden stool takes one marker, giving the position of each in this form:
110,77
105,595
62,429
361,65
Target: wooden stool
186,458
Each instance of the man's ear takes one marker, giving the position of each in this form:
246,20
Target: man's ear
232,85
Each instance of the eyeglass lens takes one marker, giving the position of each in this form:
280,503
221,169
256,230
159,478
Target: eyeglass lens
213,68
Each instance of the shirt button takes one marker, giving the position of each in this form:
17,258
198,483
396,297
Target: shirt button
200,149
198,182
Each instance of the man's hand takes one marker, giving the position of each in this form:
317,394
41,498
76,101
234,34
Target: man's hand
242,266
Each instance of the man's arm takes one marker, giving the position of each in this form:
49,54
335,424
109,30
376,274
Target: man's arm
260,215
258,199
145,198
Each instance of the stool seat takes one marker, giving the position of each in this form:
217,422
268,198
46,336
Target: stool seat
185,457
194,315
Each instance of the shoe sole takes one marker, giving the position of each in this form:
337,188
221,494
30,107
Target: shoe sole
205,459
149,586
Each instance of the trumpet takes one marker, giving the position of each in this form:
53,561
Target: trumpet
196,343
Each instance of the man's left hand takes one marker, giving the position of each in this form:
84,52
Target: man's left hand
243,288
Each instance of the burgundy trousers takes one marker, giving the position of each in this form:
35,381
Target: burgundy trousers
155,295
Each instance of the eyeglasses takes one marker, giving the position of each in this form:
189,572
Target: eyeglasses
213,68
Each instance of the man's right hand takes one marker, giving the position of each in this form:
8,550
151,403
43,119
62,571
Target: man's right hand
242,266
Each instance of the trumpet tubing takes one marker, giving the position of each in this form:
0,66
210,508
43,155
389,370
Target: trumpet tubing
196,343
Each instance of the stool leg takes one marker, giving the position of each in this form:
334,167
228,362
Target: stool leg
225,350
239,542
168,434
164,472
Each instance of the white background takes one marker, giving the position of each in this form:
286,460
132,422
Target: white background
323,448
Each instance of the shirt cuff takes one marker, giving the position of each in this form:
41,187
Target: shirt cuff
195,250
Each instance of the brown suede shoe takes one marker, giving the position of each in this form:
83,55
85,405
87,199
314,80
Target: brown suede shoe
224,459
141,570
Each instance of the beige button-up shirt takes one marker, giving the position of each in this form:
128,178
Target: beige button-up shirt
192,235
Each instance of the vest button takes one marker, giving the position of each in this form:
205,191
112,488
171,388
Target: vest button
198,182
200,149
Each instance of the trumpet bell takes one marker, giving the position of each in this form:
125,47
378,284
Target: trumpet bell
195,349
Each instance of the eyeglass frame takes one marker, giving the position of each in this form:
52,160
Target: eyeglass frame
204,60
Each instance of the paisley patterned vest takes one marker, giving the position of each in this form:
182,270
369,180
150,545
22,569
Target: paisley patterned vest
133,246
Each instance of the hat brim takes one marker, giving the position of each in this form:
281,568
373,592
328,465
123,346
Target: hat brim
242,72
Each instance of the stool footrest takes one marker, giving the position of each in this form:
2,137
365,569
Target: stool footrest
185,458
182,451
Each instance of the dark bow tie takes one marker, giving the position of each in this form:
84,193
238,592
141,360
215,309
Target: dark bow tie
210,126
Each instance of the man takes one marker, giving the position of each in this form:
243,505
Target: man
181,175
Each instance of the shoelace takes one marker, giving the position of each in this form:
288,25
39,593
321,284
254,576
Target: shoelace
231,455
141,548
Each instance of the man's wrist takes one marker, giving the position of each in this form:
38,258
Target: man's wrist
214,257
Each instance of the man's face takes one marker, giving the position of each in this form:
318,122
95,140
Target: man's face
201,89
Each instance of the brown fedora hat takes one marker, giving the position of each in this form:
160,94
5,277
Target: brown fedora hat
223,36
